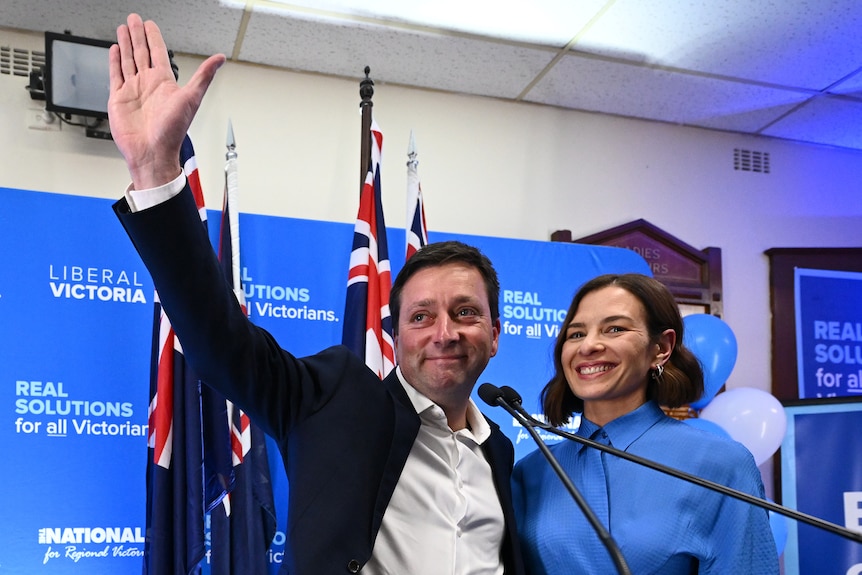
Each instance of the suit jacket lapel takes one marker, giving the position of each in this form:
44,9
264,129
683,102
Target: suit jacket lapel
405,430
500,455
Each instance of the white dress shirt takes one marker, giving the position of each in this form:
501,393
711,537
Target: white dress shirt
444,517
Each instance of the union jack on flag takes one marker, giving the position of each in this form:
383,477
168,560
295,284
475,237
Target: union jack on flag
417,231
175,500
367,323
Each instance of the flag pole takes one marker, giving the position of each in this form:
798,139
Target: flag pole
242,527
366,91
231,204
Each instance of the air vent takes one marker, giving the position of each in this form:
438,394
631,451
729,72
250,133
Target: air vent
19,61
750,161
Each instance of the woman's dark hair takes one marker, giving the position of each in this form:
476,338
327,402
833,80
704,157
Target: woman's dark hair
440,254
682,380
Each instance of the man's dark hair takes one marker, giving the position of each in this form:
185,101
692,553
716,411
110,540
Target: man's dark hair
443,253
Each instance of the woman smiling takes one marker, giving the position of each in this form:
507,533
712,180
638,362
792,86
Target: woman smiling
618,358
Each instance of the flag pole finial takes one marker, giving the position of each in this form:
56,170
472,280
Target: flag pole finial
412,153
366,91
231,142
366,88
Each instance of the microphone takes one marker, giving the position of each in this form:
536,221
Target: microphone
490,393
508,399
514,399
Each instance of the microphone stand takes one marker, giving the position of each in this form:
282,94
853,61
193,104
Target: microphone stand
492,395
510,396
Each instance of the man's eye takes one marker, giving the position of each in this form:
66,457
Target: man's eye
465,312
419,316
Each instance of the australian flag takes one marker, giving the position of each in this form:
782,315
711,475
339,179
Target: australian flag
242,525
367,323
175,495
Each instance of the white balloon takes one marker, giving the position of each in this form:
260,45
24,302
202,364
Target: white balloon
752,417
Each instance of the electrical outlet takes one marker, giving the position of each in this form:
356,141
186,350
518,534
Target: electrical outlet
41,119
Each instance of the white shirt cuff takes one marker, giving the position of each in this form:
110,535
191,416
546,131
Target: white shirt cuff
142,199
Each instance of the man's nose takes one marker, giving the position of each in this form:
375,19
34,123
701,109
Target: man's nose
446,328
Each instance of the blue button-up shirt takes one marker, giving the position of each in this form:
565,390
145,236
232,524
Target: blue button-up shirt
661,523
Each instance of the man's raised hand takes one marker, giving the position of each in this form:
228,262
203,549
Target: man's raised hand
148,112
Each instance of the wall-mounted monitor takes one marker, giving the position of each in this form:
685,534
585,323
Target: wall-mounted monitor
76,75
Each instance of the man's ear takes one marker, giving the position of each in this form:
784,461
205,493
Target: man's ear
496,327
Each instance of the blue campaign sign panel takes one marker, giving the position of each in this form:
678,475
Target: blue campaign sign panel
75,302
821,475
77,314
828,332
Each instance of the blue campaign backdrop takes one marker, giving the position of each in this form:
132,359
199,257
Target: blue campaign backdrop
76,309
821,474
828,332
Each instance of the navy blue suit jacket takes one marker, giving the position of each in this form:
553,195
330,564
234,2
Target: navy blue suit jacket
344,437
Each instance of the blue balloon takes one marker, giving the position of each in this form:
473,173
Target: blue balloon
707,425
713,343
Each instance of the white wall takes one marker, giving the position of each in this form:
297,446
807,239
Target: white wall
488,167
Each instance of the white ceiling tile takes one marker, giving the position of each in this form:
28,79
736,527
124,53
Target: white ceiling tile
622,89
541,22
87,18
186,31
830,120
796,43
414,58
851,86
202,27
